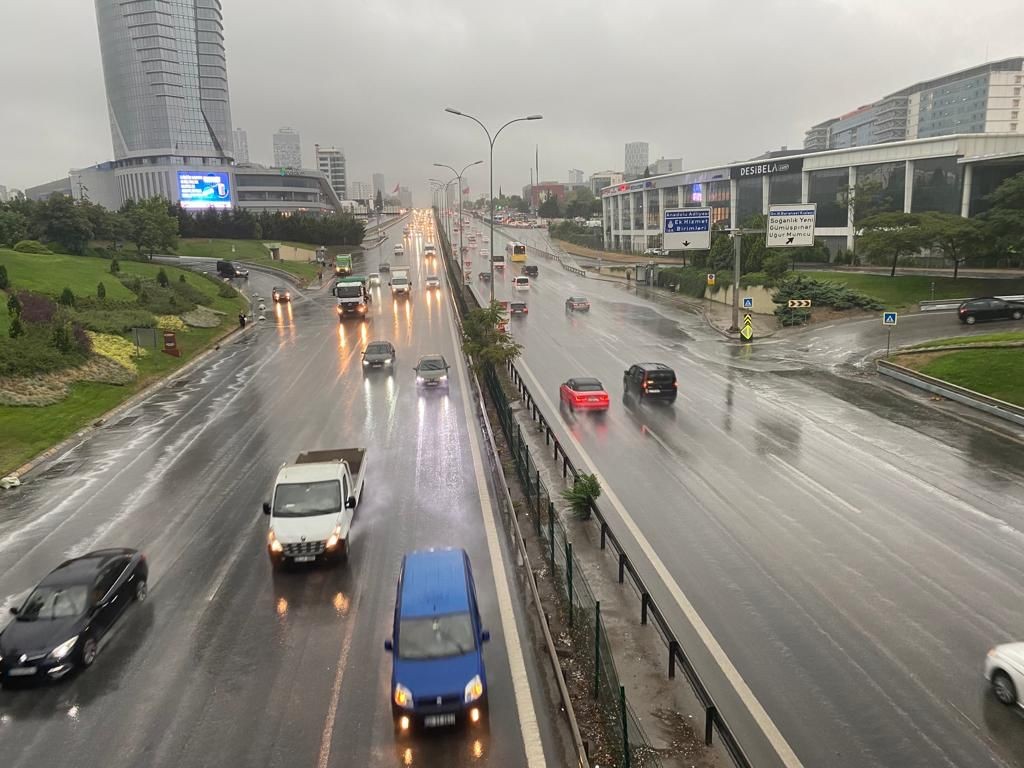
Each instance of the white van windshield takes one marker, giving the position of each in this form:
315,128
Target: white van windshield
306,499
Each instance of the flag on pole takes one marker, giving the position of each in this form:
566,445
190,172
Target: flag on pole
465,191
395,190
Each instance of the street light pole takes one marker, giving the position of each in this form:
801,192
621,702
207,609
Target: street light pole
458,175
446,221
490,141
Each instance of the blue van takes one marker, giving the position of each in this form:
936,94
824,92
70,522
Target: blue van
437,669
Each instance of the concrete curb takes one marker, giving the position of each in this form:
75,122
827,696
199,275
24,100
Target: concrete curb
955,347
970,398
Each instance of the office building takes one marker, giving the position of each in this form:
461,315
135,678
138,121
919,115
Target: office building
241,144
636,158
3,194
575,176
982,99
404,197
360,190
287,148
601,179
665,165
330,161
378,185
949,174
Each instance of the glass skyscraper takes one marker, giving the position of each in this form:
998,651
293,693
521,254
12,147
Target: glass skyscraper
165,72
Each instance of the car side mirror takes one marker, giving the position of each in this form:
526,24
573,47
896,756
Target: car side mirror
14,610
388,645
266,507
350,502
485,636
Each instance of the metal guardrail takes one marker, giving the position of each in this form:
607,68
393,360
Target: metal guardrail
713,718
935,305
970,398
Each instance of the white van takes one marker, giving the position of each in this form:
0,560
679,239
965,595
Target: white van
521,283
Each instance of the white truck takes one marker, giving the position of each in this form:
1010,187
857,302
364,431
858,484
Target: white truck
399,282
353,299
312,507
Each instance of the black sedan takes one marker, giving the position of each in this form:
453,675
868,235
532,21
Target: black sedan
60,624
989,308
281,294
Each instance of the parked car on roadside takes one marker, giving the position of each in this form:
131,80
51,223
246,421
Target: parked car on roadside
989,308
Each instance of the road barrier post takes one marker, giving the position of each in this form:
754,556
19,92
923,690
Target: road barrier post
604,533
625,726
622,572
568,572
597,647
538,493
551,537
709,722
673,649
643,607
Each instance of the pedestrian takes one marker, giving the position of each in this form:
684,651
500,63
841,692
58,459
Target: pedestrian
241,320
320,275
629,275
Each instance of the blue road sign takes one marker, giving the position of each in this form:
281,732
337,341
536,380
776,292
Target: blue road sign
748,302
687,229
888,318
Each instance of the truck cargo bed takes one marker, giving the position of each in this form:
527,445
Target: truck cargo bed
354,457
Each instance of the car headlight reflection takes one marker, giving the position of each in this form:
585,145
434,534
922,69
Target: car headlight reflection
403,696
275,545
474,689
62,650
332,542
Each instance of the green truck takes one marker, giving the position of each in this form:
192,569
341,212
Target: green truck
343,264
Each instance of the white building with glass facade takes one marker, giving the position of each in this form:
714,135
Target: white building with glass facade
953,174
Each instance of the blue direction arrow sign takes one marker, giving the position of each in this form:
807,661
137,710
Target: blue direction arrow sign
686,229
888,318
748,302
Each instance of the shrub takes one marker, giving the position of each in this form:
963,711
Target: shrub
756,278
691,280
101,291
114,320
5,282
33,352
181,278
188,293
114,267
161,278
776,265
225,291
582,495
13,305
171,323
67,297
821,294
31,246
34,308
62,337
116,348
15,329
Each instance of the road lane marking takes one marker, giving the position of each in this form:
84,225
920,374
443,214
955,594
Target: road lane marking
332,707
754,707
529,729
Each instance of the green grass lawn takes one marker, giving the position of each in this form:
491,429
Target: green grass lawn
987,338
997,373
249,251
907,290
27,431
51,273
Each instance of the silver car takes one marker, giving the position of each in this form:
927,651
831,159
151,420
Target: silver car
432,281
432,371
1004,670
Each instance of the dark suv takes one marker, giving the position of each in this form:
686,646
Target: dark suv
989,308
650,381
530,270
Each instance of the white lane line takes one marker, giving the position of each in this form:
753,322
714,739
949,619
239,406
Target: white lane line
532,744
332,707
766,724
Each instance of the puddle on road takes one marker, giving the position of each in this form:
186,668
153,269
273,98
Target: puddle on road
649,320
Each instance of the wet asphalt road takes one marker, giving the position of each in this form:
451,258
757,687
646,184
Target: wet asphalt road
854,553
228,663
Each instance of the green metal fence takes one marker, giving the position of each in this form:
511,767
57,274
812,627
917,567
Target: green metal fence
623,741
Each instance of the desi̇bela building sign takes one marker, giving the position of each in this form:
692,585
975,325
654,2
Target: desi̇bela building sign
767,168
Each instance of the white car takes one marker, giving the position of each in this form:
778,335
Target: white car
1004,670
485,253
432,281
375,278
399,249
521,283
487,240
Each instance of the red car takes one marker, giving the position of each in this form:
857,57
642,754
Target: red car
584,394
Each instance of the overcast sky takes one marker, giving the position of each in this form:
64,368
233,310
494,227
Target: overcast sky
705,80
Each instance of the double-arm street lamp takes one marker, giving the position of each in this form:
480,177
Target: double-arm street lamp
491,140
458,175
443,188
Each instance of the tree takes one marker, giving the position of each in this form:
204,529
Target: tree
378,202
67,297
151,227
958,238
66,224
161,278
15,329
13,227
486,345
579,203
550,208
776,264
5,281
1004,220
115,267
866,198
582,495
892,234
101,291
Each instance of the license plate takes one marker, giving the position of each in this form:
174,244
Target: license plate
594,399
305,558
433,721
654,391
21,671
